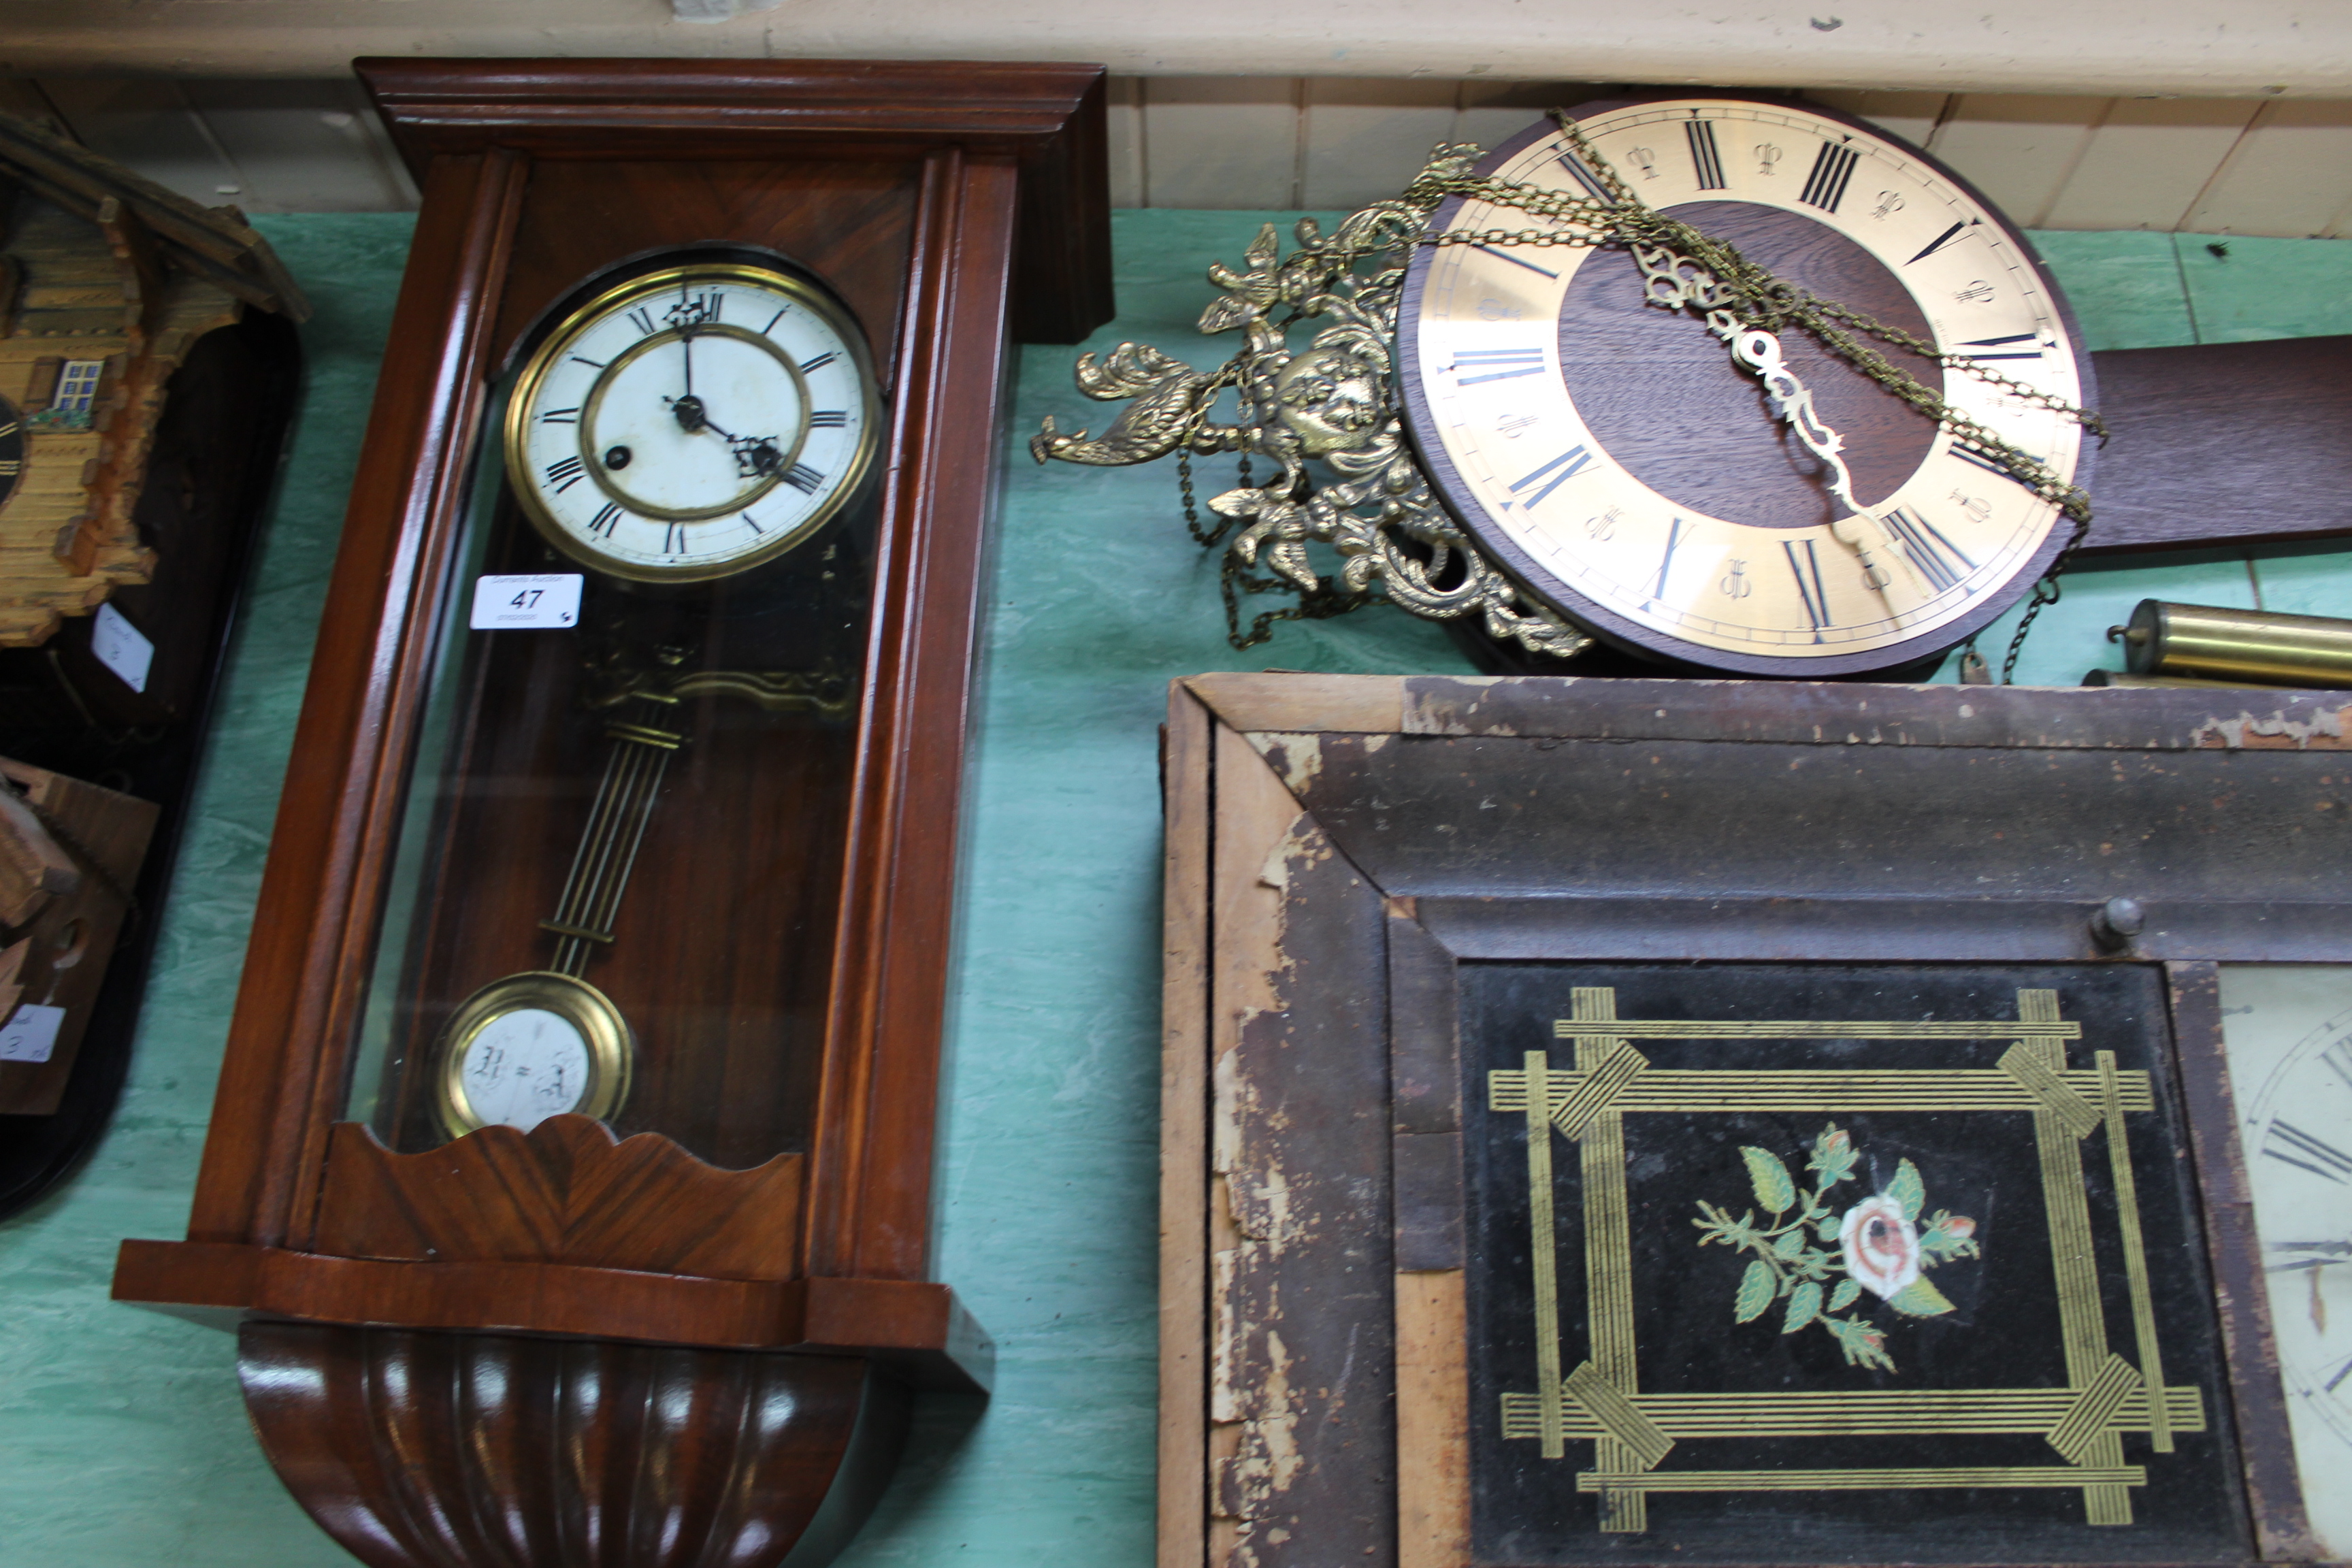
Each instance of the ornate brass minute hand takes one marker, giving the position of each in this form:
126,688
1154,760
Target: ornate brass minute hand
1672,281
1754,348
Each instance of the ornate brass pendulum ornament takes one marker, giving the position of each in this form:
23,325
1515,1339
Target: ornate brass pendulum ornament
545,1041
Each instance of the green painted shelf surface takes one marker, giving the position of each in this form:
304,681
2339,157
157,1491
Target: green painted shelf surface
126,1443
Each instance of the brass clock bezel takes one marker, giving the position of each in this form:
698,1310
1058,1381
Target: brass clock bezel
550,351
611,1044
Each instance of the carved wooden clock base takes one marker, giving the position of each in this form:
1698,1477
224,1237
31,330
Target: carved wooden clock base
457,1450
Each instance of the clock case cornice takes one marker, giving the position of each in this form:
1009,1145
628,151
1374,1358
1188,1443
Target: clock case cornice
1005,207
1623,633
1047,121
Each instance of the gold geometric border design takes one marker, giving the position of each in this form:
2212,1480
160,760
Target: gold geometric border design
1601,1400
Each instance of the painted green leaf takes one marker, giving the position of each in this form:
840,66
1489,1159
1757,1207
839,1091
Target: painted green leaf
1864,1345
1804,1306
1774,1189
1907,1189
1833,1157
1947,1236
1843,1297
1755,1294
1830,1227
1919,1299
1791,1244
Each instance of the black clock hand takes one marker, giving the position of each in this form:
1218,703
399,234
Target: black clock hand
2322,1253
756,455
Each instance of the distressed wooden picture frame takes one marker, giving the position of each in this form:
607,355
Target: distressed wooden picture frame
1340,848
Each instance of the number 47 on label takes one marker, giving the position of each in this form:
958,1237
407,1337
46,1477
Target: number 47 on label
521,602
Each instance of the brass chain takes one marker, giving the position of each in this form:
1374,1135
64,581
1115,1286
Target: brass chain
1751,293
1758,298
1234,579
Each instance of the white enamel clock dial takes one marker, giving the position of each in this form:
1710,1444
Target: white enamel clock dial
1519,449
524,1066
531,1045
2288,1029
692,423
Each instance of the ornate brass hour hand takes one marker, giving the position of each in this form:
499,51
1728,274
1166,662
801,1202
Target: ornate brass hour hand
1754,348
1672,281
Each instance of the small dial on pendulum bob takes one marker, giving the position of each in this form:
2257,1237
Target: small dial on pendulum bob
545,1042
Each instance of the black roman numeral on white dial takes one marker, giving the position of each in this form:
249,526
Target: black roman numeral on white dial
2287,1029
655,434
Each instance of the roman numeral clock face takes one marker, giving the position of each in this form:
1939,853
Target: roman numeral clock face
692,423
2288,1029
1615,458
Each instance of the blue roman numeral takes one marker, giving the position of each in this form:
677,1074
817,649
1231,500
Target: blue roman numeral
1515,261
1833,167
1704,156
1989,464
1944,239
1574,458
2296,1147
2033,352
1496,365
1807,569
1927,548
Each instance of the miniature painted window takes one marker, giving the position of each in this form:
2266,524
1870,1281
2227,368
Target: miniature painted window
78,386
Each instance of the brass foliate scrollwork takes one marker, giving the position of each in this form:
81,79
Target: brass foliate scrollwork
1331,416
1327,415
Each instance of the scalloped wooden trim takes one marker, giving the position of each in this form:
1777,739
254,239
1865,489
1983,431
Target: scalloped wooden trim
566,1191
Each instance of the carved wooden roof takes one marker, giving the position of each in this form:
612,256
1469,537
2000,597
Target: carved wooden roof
210,243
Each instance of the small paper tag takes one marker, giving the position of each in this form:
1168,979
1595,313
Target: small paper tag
521,602
121,646
32,1033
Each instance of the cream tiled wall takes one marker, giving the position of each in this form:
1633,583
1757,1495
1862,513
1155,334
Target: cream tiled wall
2278,166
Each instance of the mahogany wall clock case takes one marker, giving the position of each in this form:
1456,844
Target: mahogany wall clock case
570,1169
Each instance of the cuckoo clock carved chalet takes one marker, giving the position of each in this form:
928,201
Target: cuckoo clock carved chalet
107,281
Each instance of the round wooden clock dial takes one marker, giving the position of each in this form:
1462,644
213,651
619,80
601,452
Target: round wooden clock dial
692,423
1629,472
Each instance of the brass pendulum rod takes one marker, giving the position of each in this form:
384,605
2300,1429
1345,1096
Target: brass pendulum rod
590,899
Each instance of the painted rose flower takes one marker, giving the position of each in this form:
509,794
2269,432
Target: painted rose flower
1882,1250
1887,1241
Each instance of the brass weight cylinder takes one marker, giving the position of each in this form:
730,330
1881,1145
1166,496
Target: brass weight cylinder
2204,642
